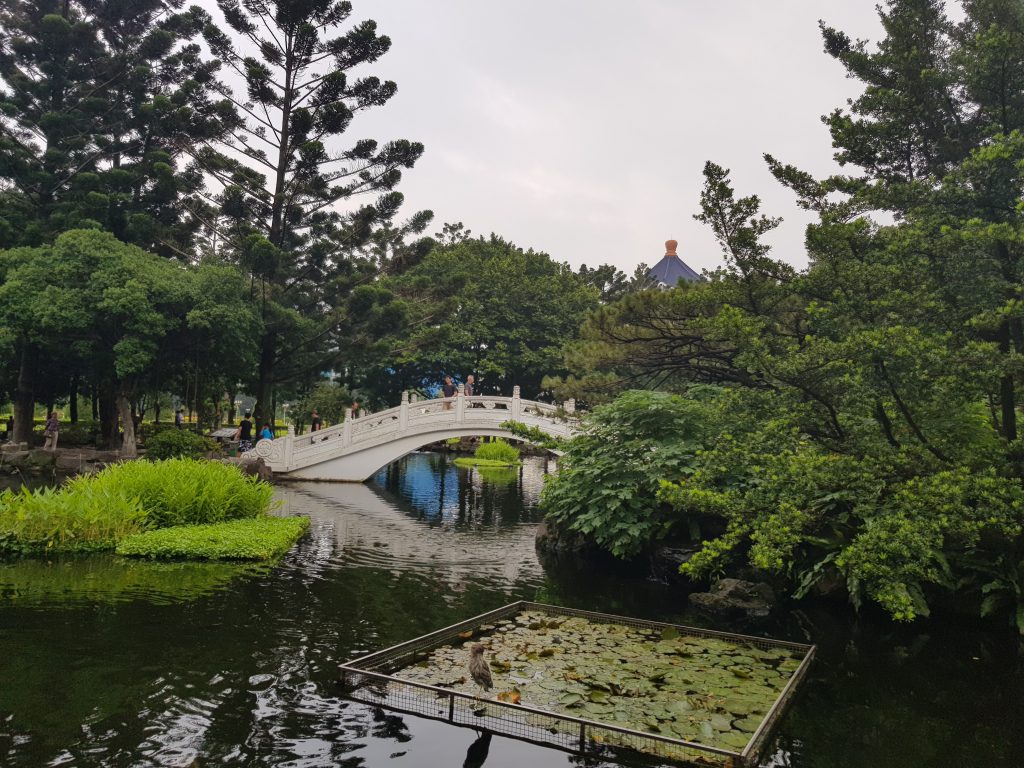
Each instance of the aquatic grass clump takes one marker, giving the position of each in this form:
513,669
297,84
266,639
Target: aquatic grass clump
55,520
263,538
95,512
185,491
496,453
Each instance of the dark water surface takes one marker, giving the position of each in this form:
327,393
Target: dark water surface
107,663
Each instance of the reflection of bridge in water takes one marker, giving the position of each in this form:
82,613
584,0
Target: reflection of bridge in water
354,450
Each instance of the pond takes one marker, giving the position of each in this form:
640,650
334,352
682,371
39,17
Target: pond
201,665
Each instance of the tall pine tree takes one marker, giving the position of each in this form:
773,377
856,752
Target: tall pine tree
289,198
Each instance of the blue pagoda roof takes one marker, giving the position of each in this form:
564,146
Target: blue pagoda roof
671,269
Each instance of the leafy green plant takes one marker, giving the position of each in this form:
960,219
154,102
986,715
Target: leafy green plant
171,443
94,512
262,538
186,491
608,479
533,435
54,520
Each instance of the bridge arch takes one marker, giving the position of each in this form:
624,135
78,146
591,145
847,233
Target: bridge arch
358,448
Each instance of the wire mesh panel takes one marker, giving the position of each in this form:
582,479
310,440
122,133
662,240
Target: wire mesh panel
709,720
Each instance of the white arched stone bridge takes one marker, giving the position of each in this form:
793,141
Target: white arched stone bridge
354,450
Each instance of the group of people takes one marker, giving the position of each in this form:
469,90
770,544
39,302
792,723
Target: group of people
449,389
245,431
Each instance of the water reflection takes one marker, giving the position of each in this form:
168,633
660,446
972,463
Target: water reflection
245,673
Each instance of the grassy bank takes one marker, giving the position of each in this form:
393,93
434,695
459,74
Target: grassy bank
97,512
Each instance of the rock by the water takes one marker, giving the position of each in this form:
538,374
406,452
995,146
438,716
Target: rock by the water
553,540
736,600
254,467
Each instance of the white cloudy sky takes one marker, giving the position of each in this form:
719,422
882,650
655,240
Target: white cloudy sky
580,127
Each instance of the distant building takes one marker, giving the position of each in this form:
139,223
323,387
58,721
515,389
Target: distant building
671,269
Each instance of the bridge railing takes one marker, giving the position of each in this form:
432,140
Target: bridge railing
409,417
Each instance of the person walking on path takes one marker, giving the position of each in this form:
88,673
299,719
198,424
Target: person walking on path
51,431
244,434
448,390
179,418
315,422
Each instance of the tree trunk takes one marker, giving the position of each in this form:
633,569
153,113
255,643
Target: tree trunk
124,409
108,413
264,409
156,410
73,399
231,407
24,399
95,404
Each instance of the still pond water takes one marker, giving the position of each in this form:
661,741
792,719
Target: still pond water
104,663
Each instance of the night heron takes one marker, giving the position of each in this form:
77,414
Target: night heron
479,668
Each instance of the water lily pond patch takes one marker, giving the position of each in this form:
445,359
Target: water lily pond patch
594,683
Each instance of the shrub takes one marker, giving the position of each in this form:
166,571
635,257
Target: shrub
173,443
94,512
263,538
497,451
608,480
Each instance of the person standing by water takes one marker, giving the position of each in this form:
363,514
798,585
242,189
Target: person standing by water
315,422
448,390
51,432
244,434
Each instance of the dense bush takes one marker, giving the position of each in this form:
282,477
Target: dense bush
497,451
95,511
262,538
607,482
174,443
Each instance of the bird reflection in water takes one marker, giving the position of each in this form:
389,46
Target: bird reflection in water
389,726
477,752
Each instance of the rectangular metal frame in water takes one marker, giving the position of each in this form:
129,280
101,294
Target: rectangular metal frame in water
370,679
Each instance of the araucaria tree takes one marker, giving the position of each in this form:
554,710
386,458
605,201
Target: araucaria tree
288,203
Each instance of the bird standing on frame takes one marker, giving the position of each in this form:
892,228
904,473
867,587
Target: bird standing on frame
479,668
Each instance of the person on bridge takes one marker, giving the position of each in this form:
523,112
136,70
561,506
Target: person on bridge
314,422
266,433
448,390
469,385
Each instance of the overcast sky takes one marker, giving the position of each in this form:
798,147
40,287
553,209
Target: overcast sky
580,127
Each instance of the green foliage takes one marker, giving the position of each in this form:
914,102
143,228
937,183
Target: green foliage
92,512
330,400
175,443
608,479
497,451
261,538
534,435
92,517
185,491
490,308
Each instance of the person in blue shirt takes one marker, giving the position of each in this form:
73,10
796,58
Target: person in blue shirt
266,433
